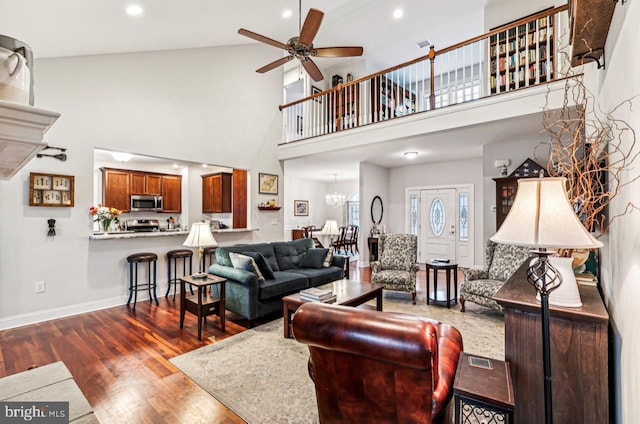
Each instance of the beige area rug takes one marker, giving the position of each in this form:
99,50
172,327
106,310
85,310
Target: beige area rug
263,377
49,383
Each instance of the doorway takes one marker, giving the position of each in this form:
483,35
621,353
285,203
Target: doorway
442,218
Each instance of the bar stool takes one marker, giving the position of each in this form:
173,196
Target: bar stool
173,256
208,252
134,287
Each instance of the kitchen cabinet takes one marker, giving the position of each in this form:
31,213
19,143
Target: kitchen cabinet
172,193
116,189
216,193
240,180
146,184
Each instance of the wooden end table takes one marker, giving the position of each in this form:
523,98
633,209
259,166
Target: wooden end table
349,293
449,268
202,303
482,392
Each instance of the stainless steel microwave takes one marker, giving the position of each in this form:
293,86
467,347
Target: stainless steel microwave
146,203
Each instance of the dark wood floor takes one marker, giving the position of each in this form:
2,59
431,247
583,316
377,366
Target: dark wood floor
120,359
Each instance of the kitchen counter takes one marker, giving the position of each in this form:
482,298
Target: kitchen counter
132,234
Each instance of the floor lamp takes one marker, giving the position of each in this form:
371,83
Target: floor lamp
542,217
200,236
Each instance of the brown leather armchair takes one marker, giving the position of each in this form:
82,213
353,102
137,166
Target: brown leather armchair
371,366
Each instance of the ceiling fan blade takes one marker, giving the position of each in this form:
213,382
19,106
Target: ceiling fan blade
337,51
273,65
262,38
312,69
310,27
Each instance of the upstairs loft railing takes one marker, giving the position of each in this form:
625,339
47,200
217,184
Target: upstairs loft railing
522,54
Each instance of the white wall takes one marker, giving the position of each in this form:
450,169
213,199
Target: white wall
374,181
621,262
200,105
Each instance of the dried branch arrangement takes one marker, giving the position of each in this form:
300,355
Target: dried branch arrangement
592,149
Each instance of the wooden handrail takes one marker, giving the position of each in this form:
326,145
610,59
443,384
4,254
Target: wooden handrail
431,55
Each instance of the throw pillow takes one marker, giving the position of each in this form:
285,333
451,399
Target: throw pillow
245,262
314,258
328,259
262,263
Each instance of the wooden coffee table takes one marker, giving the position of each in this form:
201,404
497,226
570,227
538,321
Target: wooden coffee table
350,293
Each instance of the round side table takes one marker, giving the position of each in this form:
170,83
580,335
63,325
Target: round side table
449,268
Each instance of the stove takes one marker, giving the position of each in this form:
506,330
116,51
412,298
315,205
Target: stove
143,225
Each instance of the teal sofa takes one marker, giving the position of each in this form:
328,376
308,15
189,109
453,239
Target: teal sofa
290,273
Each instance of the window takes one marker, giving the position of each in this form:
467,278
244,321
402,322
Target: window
437,217
414,210
353,210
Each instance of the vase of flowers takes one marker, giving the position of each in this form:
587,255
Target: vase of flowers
105,216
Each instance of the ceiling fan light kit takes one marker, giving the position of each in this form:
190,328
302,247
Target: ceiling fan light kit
301,46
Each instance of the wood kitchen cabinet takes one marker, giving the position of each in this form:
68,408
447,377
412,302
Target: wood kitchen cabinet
146,184
116,189
216,193
240,180
172,193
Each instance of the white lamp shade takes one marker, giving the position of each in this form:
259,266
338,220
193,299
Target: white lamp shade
331,228
199,236
541,216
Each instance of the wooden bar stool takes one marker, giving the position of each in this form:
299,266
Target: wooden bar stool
208,253
173,256
134,287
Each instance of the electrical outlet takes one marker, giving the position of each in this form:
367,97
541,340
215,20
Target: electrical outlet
40,287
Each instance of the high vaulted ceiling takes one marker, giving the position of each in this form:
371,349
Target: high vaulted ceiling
87,27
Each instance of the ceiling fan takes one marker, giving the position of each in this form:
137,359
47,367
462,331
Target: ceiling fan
301,46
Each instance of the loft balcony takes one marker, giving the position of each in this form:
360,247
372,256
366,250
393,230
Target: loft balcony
508,65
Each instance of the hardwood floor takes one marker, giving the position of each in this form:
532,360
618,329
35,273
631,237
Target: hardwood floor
120,359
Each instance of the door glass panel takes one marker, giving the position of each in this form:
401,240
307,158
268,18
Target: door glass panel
437,217
413,213
464,216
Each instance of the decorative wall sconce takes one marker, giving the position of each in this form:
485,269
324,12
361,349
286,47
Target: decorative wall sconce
60,156
502,164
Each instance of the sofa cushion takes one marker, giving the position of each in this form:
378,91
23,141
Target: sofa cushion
245,262
283,284
507,258
320,276
266,250
263,266
289,253
484,288
314,258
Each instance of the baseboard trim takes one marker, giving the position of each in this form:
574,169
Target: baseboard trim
62,312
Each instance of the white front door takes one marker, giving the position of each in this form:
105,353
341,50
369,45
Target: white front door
438,224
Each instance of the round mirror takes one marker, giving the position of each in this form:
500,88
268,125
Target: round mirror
376,210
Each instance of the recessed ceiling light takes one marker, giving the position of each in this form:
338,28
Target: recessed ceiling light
410,155
398,13
134,10
287,13
204,165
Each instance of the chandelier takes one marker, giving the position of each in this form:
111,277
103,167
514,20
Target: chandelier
335,200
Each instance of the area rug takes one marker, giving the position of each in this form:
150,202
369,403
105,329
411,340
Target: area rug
263,377
49,383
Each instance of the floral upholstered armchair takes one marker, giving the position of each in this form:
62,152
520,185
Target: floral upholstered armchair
501,261
397,267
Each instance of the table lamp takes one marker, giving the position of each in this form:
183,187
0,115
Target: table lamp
200,236
542,217
331,229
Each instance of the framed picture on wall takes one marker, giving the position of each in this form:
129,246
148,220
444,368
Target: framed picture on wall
316,90
267,184
301,208
51,190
